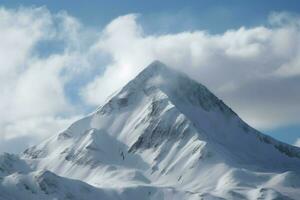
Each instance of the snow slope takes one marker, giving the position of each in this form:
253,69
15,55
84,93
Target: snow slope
162,136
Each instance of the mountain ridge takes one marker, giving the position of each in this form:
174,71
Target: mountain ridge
156,138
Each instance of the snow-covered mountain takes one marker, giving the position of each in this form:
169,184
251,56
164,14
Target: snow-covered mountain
161,137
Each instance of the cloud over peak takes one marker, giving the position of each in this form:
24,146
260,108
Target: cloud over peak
243,66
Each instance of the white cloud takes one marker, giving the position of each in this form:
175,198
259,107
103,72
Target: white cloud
20,31
33,101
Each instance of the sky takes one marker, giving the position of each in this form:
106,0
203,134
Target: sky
59,60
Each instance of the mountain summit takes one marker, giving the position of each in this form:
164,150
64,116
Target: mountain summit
162,136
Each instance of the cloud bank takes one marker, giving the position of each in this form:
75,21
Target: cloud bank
53,67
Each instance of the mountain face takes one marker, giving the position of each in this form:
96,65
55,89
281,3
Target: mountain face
161,137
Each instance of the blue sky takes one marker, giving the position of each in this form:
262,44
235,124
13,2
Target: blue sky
73,55
212,15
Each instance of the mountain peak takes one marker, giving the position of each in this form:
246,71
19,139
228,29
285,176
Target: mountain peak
155,68
157,137
157,65
179,88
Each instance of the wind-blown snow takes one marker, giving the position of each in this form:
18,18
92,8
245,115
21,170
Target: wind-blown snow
163,136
